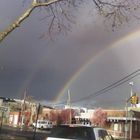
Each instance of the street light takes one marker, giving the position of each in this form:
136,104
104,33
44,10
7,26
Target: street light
126,121
131,90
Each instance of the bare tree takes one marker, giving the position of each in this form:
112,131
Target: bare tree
59,14
65,115
53,115
99,117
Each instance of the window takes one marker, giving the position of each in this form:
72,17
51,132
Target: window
103,135
82,133
116,127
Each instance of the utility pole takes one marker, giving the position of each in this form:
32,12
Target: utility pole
38,110
131,94
126,120
3,109
69,104
23,109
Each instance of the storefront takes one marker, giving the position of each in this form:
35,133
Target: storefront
124,127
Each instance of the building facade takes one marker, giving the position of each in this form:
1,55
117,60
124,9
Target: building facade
123,124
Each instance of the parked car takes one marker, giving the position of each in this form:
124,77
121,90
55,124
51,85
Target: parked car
43,124
78,132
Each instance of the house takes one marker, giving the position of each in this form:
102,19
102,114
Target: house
14,118
123,124
6,104
45,112
120,123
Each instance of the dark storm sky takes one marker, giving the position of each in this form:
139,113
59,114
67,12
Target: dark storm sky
47,70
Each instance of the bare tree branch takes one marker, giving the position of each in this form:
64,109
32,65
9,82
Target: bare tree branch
16,23
59,13
25,15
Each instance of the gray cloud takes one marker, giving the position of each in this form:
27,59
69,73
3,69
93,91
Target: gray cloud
44,69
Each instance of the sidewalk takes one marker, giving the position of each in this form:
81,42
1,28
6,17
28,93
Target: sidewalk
9,137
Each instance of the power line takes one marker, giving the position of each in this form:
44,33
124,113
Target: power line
112,86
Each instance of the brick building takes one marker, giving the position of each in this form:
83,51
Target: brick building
124,124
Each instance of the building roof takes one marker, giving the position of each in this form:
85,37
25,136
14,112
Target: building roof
122,119
5,99
49,107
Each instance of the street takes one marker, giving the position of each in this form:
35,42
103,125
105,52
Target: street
14,133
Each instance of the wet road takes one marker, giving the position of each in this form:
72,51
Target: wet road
26,133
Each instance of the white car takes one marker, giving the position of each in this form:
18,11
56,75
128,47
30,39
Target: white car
43,124
79,132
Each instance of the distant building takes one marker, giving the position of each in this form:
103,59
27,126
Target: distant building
6,105
1,102
123,124
120,123
14,118
45,113
19,112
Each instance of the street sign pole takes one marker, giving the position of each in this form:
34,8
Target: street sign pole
2,109
1,121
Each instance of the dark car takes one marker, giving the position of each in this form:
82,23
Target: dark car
78,132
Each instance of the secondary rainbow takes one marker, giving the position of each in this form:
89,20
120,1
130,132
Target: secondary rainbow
129,37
